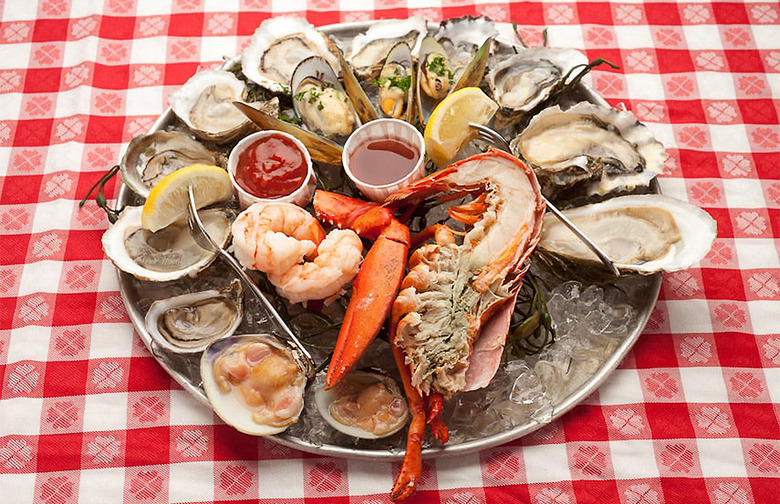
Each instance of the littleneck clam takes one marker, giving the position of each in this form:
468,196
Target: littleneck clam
189,322
365,404
149,158
278,45
167,254
644,233
599,148
205,104
253,383
320,101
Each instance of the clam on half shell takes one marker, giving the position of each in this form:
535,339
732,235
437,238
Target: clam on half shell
644,233
189,322
168,254
253,383
365,404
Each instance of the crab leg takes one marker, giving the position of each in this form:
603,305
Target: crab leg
378,280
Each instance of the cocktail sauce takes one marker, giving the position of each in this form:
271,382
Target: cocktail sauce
271,167
383,161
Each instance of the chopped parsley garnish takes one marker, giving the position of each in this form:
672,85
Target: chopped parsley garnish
403,82
438,66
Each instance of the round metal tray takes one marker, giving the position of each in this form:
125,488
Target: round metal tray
185,369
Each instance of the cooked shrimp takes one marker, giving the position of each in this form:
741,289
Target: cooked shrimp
275,236
288,244
337,262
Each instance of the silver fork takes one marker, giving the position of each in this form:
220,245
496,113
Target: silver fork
495,139
202,238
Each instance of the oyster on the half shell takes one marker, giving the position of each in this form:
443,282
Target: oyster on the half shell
278,45
370,49
643,233
149,158
205,104
600,148
167,254
189,322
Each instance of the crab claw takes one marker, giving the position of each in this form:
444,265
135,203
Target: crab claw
378,281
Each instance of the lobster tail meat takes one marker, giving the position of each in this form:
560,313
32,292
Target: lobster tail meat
452,289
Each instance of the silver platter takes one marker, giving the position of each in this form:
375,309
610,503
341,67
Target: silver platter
185,369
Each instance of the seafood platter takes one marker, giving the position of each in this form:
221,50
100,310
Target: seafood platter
434,306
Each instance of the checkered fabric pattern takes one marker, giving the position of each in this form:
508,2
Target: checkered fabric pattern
87,415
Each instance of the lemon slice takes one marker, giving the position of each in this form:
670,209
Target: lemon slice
167,201
448,127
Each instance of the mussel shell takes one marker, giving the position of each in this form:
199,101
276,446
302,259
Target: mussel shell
401,56
370,49
425,103
317,70
151,157
230,408
189,322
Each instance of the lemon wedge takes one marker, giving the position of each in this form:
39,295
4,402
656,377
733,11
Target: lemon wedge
167,201
448,127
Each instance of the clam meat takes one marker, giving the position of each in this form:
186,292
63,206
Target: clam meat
253,383
149,158
205,104
278,45
644,233
600,148
189,322
364,404
167,254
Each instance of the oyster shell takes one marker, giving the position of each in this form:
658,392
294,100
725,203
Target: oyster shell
520,82
600,148
461,38
253,383
644,233
365,404
370,49
167,254
149,158
278,45
205,104
320,101
189,322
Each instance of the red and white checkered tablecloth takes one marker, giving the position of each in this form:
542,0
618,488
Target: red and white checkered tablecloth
87,415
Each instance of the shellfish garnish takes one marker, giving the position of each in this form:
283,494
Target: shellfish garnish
189,322
370,49
205,104
600,148
365,404
320,100
644,233
253,383
149,158
167,254
278,45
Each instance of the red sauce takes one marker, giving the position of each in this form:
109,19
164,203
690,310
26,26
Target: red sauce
383,161
271,167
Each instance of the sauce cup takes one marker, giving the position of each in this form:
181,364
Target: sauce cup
378,131
300,196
